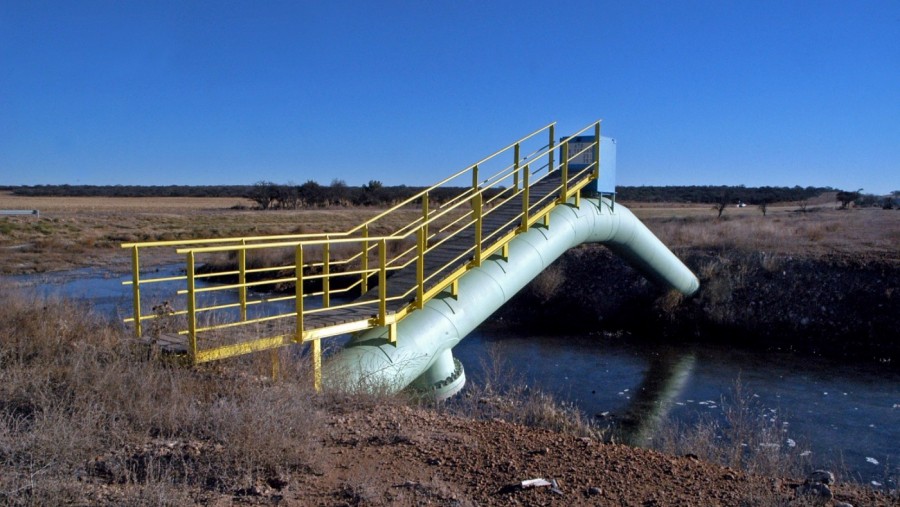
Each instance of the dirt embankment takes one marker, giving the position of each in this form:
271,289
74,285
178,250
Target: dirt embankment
835,306
397,455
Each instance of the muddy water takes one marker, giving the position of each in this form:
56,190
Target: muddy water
845,416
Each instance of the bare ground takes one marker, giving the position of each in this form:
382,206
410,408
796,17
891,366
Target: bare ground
397,455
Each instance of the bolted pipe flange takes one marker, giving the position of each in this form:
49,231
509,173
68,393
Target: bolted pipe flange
451,385
444,378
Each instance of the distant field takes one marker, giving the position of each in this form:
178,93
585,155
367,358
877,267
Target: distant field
859,233
87,231
134,204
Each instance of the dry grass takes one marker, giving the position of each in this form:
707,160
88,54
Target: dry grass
77,403
87,231
866,232
548,283
748,438
503,394
55,205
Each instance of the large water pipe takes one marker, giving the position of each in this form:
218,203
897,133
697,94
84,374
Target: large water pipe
422,355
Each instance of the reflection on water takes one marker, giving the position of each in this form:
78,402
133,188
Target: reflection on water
663,382
847,414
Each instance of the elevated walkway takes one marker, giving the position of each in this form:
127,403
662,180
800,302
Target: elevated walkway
395,263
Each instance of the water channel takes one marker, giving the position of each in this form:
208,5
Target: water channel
845,416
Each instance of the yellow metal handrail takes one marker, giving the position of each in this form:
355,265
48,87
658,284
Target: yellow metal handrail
352,259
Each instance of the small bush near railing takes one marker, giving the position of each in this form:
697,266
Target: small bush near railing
77,398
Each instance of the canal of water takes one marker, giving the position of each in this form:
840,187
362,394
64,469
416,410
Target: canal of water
845,416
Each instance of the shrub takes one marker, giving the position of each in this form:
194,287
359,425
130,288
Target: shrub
77,399
547,284
747,437
503,394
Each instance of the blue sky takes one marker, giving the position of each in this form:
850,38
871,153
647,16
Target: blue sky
695,92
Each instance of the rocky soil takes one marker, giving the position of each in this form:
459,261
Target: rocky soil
397,455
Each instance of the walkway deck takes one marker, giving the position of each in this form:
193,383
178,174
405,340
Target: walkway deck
477,224
448,257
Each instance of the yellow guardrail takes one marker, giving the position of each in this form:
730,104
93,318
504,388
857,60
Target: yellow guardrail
340,282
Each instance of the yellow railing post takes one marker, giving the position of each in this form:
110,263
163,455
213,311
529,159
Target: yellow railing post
326,273
316,354
425,211
382,282
475,177
550,148
516,168
477,204
526,204
597,150
564,190
365,260
191,308
276,363
242,278
298,292
420,268
136,289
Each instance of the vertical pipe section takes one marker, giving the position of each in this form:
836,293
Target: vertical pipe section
420,267
242,278
564,190
382,282
550,147
136,289
316,355
425,212
365,260
191,308
526,203
516,168
326,273
298,293
276,363
477,203
597,150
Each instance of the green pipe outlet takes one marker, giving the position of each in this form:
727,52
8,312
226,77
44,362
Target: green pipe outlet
425,338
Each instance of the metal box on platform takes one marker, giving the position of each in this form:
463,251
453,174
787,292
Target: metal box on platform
606,184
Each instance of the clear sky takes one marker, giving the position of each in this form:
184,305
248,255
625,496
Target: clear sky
695,92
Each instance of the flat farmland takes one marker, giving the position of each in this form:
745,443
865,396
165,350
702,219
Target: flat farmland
819,231
61,205
74,232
